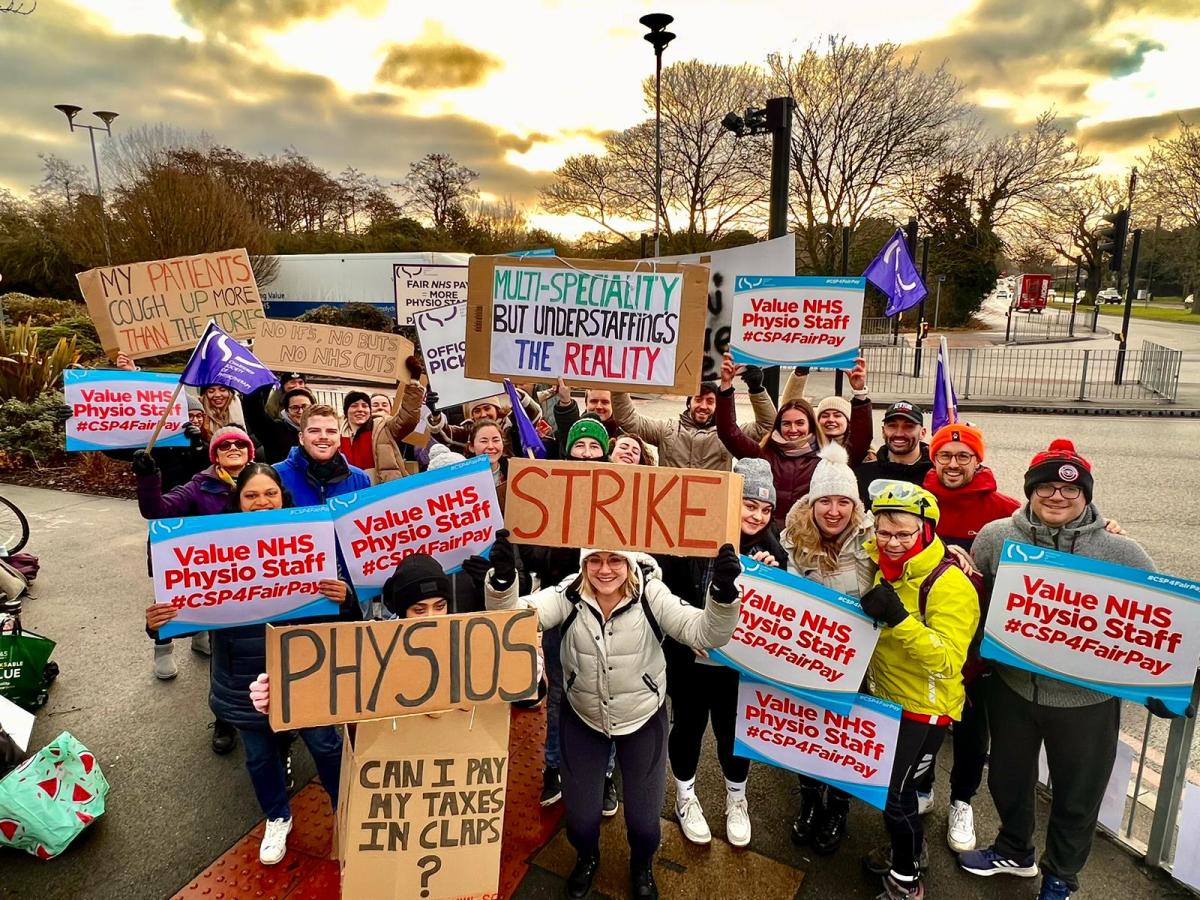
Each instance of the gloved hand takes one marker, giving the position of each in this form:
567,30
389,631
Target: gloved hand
883,604
753,376
143,463
431,401
62,413
504,561
726,570
801,370
415,368
1158,708
477,567
193,433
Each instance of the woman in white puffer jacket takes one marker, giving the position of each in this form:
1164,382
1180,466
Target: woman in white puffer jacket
614,614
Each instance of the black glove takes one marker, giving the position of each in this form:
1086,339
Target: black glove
1158,708
504,561
193,433
431,401
62,413
143,463
753,376
477,567
726,570
883,604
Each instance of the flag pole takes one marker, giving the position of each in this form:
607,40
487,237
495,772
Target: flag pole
166,415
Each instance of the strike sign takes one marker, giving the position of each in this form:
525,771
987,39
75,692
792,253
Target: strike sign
243,568
116,410
799,635
560,503
797,320
449,513
853,751
1111,628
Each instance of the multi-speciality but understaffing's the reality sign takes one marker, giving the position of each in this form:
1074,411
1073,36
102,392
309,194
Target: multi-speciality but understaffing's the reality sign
117,410
599,323
1111,628
797,320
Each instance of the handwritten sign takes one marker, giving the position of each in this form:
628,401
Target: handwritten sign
596,323
442,333
352,354
335,672
243,568
150,308
421,812
1111,628
557,503
117,410
449,513
854,751
798,320
420,288
799,635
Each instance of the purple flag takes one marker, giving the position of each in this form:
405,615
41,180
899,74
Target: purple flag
219,359
945,403
893,272
530,441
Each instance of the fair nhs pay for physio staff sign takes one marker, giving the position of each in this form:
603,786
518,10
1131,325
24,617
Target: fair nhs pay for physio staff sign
797,320
1111,628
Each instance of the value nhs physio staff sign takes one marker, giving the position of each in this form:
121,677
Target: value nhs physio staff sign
1114,629
797,320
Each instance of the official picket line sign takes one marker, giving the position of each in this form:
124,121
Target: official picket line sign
853,750
595,323
449,513
243,568
797,320
419,288
442,333
116,410
799,635
421,806
562,503
353,354
150,308
1111,628
333,672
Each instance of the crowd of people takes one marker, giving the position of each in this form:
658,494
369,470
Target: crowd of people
912,529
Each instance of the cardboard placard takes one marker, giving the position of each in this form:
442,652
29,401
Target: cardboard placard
243,568
773,257
560,503
349,354
421,807
1111,628
449,513
419,288
597,323
442,333
334,672
799,635
799,320
854,751
117,410
150,308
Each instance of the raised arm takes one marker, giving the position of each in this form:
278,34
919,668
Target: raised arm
652,431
